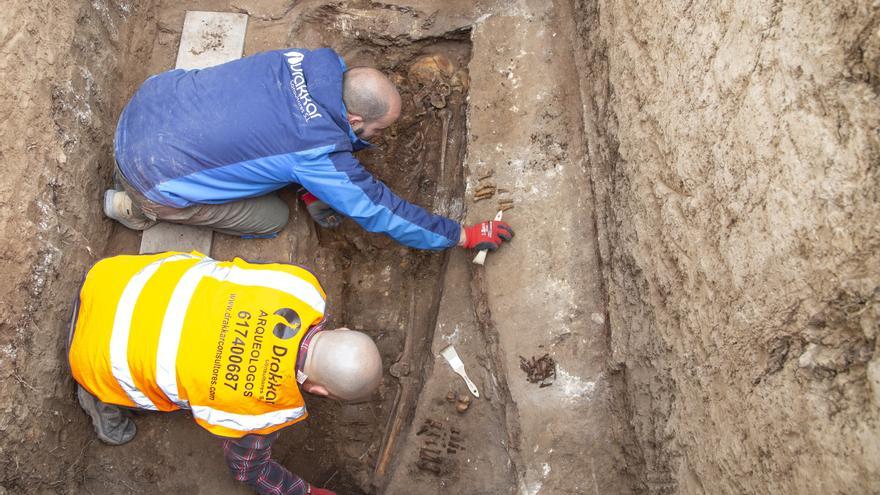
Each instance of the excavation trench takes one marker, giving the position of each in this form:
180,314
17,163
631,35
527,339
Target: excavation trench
520,133
373,284
695,193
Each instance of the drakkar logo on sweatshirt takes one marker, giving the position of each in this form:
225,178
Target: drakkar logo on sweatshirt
301,95
291,326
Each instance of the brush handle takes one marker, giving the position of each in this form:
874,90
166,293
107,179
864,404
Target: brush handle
470,385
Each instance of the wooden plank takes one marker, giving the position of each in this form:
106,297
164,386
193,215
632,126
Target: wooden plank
209,38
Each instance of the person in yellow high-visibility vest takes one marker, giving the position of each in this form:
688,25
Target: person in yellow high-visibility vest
232,341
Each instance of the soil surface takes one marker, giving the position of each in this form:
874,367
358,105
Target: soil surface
694,191
734,155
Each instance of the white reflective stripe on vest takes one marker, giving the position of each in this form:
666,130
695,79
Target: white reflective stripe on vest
172,324
172,327
122,330
246,422
272,279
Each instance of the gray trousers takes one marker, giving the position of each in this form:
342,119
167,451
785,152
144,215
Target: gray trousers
264,215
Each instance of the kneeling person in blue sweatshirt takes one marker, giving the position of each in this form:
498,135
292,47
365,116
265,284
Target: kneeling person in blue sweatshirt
209,147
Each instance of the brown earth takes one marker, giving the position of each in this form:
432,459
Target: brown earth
734,157
696,201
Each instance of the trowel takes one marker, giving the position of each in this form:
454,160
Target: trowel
458,367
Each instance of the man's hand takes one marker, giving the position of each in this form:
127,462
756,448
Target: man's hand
320,211
313,490
487,235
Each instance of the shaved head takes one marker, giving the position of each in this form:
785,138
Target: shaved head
369,94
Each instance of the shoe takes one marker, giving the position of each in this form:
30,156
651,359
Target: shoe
119,207
111,423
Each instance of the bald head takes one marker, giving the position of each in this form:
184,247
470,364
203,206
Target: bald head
371,100
342,363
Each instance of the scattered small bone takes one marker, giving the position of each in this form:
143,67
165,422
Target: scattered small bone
461,80
488,174
455,445
425,466
506,202
486,187
464,398
506,207
461,407
480,198
428,450
450,397
454,430
539,370
429,458
502,190
429,427
450,451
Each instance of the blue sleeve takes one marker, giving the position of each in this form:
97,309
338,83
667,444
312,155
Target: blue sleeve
342,183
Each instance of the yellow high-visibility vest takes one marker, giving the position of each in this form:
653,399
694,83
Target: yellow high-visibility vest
181,330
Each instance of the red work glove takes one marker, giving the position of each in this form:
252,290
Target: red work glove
487,235
320,211
313,490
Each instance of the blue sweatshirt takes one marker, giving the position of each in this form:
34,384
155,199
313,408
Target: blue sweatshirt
251,126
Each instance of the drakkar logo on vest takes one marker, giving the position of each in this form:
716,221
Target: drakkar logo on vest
301,95
293,326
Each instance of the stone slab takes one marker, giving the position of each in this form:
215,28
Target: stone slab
211,38
173,237
208,39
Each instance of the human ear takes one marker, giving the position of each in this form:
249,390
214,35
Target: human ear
314,389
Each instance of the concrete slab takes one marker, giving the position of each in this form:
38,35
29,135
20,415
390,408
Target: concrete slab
208,39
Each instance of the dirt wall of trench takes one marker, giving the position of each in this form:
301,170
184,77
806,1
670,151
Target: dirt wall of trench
60,87
733,149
